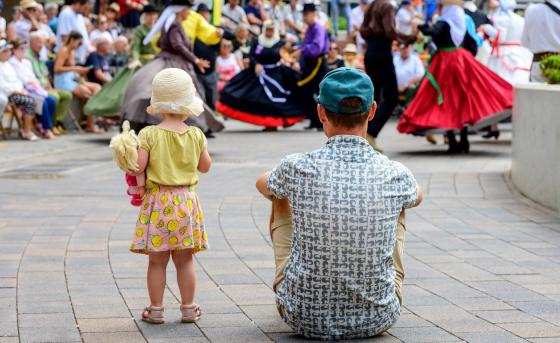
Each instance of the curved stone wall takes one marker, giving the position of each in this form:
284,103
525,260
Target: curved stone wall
536,143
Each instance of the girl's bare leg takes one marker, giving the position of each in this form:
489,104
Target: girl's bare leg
157,267
186,275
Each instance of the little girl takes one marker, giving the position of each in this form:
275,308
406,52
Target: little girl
170,223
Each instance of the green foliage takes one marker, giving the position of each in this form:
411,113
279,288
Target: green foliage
550,67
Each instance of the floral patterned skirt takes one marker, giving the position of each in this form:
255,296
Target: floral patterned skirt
170,219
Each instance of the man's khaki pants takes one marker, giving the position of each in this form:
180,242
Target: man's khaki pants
281,236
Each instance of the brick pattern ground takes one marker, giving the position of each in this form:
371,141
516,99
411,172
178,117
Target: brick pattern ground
482,262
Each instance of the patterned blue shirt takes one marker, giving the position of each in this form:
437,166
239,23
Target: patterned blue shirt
345,200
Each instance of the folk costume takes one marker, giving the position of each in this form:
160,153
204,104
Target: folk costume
313,62
508,58
541,34
458,90
267,99
176,52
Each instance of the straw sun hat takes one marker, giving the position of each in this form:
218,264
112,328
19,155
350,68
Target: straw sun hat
173,91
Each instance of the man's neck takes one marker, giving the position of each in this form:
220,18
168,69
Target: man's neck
360,132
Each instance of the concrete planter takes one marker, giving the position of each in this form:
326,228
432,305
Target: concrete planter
536,143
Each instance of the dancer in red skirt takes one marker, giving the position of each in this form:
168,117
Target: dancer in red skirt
457,91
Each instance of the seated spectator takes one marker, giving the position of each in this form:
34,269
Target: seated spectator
44,101
130,11
98,63
119,58
63,98
66,73
11,28
340,236
226,64
28,21
293,18
12,88
45,29
256,14
242,45
51,9
114,27
408,67
233,15
101,31
351,58
275,13
334,60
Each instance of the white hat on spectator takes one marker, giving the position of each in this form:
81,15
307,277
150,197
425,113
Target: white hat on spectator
25,4
173,91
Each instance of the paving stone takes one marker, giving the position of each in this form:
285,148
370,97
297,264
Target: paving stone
425,334
221,320
257,294
113,337
107,325
511,316
532,330
44,307
172,328
236,334
490,337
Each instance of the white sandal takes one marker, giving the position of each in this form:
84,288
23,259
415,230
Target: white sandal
153,315
190,313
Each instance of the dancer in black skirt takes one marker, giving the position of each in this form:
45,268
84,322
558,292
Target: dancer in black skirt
264,94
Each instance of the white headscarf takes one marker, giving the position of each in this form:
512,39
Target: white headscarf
266,42
455,16
165,20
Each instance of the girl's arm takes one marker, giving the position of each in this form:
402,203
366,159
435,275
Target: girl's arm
143,156
204,162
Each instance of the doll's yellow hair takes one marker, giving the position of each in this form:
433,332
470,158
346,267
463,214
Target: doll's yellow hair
125,148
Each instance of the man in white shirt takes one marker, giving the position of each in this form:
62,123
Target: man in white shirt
71,19
405,17
356,19
408,67
233,14
541,34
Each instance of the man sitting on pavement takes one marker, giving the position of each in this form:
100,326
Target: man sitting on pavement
339,253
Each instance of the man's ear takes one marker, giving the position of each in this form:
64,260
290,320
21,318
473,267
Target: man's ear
372,111
322,114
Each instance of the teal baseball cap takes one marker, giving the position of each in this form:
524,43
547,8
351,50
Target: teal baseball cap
343,83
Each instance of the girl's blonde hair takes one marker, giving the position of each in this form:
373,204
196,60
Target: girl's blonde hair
125,148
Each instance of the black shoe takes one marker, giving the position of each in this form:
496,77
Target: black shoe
209,134
491,134
454,147
465,145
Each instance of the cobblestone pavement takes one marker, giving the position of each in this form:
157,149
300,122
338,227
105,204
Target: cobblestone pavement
482,262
